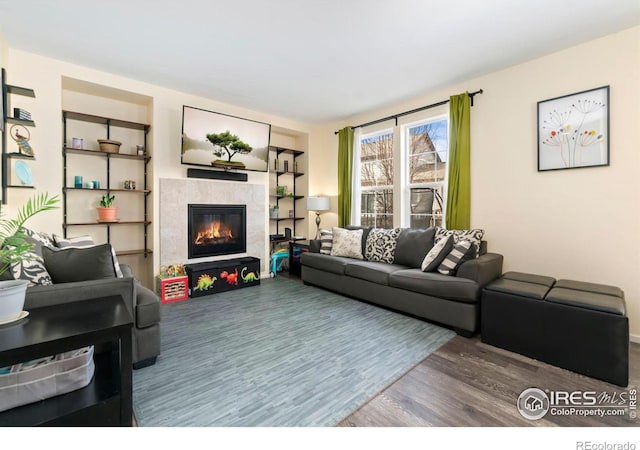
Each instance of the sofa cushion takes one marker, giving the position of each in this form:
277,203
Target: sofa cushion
461,252
376,272
327,263
412,246
31,269
381,245
79,264
38,240
326,242
437,254
436,285
347,243
147,307
365,233
85,241
474,236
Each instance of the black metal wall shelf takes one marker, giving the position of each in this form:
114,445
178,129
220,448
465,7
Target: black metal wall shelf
7,91
294,175
66,151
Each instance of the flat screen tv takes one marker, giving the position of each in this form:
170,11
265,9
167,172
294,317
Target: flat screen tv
226,142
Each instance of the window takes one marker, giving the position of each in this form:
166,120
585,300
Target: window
405,187
376,180
427,147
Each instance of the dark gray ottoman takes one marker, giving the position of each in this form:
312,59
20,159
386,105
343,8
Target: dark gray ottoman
575,325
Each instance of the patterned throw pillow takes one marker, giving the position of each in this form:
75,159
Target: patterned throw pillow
347,243
31,269
326,242
455,257
381,245
474,236
38,240
78,241
437,254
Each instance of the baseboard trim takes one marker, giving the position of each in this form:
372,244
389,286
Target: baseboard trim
634,338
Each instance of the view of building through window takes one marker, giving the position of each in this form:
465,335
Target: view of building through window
425,159
427,152
376,180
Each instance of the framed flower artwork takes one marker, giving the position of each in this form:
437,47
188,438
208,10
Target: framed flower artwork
573,130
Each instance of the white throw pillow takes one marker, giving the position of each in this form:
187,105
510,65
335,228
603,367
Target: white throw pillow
438,253
347,243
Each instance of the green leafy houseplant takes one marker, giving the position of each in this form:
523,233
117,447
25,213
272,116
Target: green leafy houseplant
14,248
106,211
13,240
107,200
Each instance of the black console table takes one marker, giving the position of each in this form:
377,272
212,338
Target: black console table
102,322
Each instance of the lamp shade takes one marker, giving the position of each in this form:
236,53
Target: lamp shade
318,204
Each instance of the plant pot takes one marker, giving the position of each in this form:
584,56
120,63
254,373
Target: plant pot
107,214
12,294
273,213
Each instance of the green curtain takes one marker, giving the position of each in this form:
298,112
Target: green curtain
458,216
345,176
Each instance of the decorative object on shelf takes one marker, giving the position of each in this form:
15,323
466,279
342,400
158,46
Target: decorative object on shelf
15,248
318,204
276,164
295,166
77,182
107,212
140,150
286,165
23,171
96,184
77,143
238,143
89,185
129,184
281,190
21,140
273,212
291,214
109,145
573,130
21,114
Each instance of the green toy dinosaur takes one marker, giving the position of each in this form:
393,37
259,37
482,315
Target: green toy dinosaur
251,276
205,282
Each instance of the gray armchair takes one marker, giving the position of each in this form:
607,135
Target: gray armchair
142,303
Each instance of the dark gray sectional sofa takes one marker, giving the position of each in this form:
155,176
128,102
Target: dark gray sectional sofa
453,300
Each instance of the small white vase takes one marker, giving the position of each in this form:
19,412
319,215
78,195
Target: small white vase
12,294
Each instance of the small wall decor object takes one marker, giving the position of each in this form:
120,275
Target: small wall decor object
281,191
89,185
286,165
573,130
140,150
96,184
77,143
22,139
291,214
77,182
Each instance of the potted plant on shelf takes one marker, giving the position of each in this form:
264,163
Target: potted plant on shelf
273,212
15,248
107,212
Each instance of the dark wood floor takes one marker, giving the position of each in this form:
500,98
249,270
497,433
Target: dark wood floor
468,383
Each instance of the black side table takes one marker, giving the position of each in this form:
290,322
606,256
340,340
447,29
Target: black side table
294,256
103,322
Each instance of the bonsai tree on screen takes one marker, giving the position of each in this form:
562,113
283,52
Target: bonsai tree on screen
230,144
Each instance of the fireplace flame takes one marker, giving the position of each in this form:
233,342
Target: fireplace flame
215,234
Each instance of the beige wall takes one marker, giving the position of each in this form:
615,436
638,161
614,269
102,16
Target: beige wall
46,75
580,224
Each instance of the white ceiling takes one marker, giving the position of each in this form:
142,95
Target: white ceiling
312,60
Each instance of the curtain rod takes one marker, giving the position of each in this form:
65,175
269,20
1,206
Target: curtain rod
395,116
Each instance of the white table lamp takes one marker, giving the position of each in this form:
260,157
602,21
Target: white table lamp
318,204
